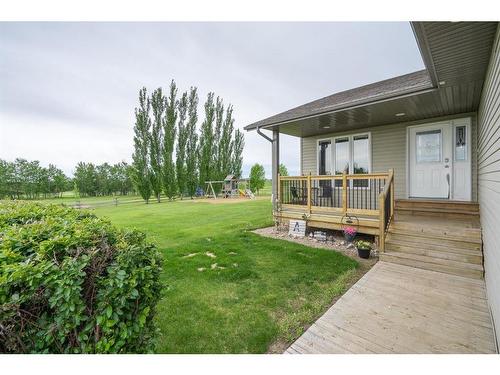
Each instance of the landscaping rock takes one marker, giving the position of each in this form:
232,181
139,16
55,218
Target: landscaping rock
335,242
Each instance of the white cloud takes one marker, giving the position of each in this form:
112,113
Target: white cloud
68,90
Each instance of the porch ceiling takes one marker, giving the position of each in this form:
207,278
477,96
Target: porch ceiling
456,56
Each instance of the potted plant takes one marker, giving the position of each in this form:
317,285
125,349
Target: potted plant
349,233
364,248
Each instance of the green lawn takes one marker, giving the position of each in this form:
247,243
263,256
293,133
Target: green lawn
253,293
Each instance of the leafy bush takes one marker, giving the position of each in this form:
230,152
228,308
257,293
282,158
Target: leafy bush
72,283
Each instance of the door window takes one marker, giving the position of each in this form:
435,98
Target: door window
428,146
460,143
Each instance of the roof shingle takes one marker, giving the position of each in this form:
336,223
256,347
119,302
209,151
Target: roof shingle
405,84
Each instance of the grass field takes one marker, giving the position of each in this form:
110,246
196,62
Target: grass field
228,290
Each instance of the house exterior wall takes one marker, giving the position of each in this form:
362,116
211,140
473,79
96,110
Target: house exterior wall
388,146
489,180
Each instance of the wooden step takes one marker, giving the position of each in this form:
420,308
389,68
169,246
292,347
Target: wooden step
445,209
435,251
437,204
474,271
438,233
460,247
445,213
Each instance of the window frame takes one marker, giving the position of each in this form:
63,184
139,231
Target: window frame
333,166
318,142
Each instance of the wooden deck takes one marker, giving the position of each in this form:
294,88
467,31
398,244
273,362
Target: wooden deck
400,309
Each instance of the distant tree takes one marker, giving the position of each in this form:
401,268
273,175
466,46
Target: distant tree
206,143
257,178
282,170
121,182
237,156
169,131
156,141
6,179
192,143
85,179
182,139
59,180
140,157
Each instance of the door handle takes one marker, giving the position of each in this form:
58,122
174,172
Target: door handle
447,166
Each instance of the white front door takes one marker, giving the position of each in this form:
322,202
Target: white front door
430,156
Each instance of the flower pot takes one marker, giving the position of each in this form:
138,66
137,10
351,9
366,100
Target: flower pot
364,253
349,237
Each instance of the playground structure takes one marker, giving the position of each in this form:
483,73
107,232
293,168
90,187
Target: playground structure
231,187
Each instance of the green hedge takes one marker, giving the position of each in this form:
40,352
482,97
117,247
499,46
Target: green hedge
72,283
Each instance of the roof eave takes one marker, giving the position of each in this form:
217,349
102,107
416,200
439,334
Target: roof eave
425,51
410,92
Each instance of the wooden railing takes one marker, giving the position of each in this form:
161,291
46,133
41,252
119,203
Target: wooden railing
352,194
386,203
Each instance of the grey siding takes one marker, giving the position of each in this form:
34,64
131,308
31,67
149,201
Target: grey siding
489,180
388,151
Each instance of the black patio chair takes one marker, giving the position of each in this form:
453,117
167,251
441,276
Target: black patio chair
295,194
326,193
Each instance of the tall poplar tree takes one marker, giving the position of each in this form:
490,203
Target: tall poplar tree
237,157
206,144
192,143
225,149
156,142
169,131
218,173
182,138
140,157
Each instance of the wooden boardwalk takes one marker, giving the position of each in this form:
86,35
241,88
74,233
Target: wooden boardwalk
400,309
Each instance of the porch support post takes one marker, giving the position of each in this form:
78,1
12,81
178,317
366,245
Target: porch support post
275,165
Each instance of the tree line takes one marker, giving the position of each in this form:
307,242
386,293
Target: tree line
23,179
165,123
103,179
28,179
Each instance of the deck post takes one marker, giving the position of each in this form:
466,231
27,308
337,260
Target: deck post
381,207
344,193
275,167
391,174
309,192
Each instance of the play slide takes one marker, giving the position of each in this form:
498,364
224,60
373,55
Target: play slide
246,193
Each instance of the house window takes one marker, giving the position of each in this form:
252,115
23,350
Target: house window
342,156
324,157
460,143
351,155
361,158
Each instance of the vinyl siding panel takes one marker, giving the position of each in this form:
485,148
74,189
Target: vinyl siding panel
489,180
388,151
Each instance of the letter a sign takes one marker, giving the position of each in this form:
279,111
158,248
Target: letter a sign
297,228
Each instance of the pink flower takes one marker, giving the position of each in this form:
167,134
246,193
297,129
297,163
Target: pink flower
351,231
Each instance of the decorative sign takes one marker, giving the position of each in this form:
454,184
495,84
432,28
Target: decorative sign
297,228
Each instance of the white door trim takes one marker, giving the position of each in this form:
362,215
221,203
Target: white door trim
467,121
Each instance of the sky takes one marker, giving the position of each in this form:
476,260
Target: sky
68,90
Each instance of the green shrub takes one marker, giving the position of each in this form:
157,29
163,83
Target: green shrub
72,283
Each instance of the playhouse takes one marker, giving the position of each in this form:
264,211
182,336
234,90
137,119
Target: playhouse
231,187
